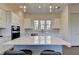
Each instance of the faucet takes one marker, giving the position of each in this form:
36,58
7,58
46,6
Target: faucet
42,31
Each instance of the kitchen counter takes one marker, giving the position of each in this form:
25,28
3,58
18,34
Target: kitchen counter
30,41
3,48
4,39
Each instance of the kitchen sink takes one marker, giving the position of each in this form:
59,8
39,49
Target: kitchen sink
34,34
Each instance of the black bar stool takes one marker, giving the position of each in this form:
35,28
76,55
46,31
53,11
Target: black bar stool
49,52
27,52
14,53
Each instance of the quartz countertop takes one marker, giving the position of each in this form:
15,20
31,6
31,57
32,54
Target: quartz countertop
30,41
4,39
4,48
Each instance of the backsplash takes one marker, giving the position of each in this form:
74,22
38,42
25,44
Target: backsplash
57,33
5,32
54,33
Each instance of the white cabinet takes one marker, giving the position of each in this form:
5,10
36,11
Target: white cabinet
56,23
15,19
75,29
27,23
2,18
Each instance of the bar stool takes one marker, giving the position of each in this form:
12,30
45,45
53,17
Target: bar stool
27,52
49,52
14,53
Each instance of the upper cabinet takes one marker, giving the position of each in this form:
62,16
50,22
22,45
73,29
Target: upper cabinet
15,19
3,18
56,23
27,23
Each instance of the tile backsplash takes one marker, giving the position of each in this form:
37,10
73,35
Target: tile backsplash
54,33
5,32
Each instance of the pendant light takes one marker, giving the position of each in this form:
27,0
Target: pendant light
24,8
50,8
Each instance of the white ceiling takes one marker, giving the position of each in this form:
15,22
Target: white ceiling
33,7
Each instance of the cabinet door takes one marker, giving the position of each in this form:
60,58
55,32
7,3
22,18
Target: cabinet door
75,29
2,18
15,19
27,23
56,23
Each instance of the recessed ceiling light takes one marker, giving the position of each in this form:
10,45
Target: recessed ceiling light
20,6
24,6
50,6
39,6
57,7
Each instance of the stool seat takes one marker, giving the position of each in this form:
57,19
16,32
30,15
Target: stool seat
14,53
27,52
49,52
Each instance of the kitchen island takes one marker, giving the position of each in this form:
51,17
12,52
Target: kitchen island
3,47
29,43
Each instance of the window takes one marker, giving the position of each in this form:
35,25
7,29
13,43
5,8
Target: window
48,24
42,24
36,24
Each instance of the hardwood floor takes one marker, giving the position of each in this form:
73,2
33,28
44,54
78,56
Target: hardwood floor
71,51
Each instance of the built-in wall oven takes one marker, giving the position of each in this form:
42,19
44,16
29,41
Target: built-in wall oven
15,32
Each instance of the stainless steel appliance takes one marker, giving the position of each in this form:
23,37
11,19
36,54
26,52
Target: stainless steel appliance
15,32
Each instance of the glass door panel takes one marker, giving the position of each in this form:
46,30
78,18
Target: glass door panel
36,24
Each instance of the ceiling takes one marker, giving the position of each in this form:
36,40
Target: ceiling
33,7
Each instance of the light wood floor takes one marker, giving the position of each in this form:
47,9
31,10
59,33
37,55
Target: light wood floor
71,51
